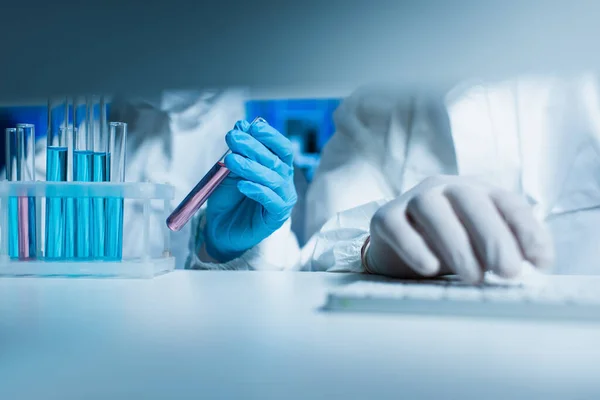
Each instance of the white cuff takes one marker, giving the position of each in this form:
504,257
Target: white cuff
278,251
195,245
337,246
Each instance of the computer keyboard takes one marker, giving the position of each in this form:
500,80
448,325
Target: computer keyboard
548,297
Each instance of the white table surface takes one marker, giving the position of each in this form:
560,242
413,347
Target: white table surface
249,335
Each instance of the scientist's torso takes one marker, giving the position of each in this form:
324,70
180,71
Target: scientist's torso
538,136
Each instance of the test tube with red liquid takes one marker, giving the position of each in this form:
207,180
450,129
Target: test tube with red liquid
26,206
201,192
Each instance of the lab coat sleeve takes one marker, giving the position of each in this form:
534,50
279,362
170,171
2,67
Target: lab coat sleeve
337,246
280,251
344,181
350,172
386,142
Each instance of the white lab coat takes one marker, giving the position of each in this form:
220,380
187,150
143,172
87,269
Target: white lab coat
538,136
176,138
198,122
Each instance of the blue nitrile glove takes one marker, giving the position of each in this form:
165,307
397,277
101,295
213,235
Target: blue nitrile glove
258,195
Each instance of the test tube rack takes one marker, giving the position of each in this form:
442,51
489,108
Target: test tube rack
137,263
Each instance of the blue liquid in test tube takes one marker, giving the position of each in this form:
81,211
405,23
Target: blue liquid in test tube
98,208
101,172
69,228
79,213
11,175
56,171
117,140
82,172
114,234
13,228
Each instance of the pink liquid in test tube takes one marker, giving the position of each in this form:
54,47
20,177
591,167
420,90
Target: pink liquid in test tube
201,192
23,211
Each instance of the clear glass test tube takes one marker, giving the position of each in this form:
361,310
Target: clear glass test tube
77,122
13,204
100,171
70,243
56,171
25,167
202,191
117,150
83,165
82,141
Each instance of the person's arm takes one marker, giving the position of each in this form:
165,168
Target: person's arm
350,184
337,246
346,179
279,251
246,223
165,149
445,225
386,141
351,170
436,238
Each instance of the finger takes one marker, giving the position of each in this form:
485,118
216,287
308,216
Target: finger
532,236
392,226
242,143
492,239
278,210
254,172
435,217
271,138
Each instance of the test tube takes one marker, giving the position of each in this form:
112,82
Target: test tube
26,204
201,192
56,171
117,148
76,121
100,172
82,172
70,243
11,175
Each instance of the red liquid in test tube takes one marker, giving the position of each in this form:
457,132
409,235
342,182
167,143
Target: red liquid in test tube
201,192
23,211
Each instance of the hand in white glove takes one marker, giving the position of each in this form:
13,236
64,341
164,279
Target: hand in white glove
453,225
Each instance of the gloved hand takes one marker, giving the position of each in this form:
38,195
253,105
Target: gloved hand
455,225
258,195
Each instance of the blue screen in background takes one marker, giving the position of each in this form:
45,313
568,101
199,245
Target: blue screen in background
308,122
291,117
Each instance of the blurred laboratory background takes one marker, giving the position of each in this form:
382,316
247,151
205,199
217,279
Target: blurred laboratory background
307,123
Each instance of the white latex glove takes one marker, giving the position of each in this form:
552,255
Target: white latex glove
454,225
